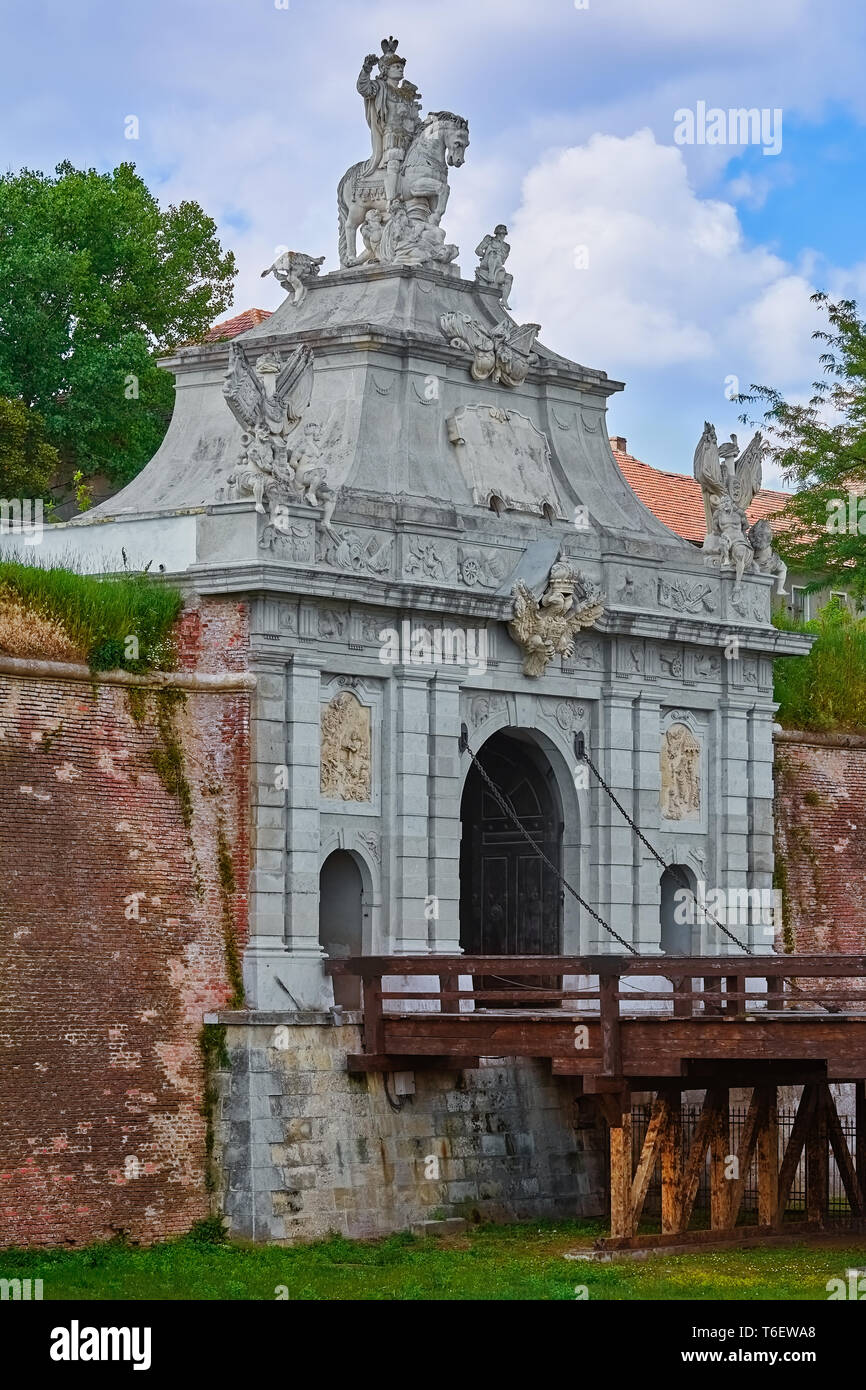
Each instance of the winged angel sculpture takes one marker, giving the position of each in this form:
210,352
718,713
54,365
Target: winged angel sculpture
282,459
547,627
730,481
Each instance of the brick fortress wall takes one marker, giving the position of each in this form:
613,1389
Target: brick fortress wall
820,815
124,862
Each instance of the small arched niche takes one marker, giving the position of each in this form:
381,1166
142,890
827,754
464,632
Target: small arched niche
680,929
341,917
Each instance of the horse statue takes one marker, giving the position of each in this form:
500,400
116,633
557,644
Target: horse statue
440,144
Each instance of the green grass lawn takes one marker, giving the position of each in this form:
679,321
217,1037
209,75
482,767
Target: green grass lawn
488,1262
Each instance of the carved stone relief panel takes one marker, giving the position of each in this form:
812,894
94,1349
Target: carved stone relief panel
680,759
346,758
630,656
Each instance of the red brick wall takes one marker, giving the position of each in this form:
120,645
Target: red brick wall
821,840
101,1129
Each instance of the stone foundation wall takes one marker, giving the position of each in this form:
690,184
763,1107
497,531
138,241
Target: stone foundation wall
820,815
306,1149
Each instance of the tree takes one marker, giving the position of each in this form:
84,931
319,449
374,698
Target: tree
820,447
27,461
96,282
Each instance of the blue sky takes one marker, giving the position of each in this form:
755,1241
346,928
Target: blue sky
701,259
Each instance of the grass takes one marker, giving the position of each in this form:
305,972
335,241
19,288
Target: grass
825,691
100,616
488,1263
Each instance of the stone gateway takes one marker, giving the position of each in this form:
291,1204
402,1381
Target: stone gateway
389,453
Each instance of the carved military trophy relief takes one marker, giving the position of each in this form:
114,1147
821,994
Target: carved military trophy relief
346,756
730,481
546,627
680,774
397,197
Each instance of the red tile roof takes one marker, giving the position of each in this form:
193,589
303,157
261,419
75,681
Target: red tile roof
676,499
232,328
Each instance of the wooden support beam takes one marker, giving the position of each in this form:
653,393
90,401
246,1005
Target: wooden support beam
844,1161
650,1153
621,1217
817,1161
611,1035
359,1062
768,1161
449,985
756,1118
672,1163
796,1143
860,1131
714,1100
374,1024
720,1152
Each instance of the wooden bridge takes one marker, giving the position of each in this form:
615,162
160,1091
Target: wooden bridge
718,1023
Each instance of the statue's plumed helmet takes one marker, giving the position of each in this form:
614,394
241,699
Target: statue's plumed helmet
390,57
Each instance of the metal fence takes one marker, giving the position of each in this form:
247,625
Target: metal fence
838,1204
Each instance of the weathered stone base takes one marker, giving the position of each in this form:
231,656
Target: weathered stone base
304,1149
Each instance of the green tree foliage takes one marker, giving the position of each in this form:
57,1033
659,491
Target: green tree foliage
821,448
27,461
96,282
826,690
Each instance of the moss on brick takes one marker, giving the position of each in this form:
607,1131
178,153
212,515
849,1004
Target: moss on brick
227,887
168,759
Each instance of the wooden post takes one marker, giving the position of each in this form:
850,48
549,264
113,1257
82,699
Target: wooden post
817,1167
769,1213
672,1164
611,1039
860,1132
683,1002
449,982
713,986
374,1023
720,1148
621,1210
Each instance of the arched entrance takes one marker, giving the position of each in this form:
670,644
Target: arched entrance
679,930
341,916
510,901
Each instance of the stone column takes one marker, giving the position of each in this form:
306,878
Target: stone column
647,787
615,761
266,948
733,855
307,982
411,768
444,823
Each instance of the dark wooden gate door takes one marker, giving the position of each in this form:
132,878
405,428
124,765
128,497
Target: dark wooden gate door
510,901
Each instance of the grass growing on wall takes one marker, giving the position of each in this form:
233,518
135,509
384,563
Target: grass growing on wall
824,692
99,616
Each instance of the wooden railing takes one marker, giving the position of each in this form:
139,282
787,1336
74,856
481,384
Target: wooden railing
701,987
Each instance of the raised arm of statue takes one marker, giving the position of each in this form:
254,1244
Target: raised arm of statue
366,84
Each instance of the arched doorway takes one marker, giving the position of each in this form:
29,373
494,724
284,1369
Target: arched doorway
341,916
678,911
510,901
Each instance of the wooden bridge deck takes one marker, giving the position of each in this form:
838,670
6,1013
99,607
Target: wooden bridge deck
752,1022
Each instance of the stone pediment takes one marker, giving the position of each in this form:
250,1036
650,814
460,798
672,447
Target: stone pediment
502,454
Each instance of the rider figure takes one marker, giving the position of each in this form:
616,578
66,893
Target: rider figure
393,110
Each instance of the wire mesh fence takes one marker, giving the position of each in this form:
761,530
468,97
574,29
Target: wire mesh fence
838,1201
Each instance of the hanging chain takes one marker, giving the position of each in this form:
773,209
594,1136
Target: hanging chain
679,875
671,868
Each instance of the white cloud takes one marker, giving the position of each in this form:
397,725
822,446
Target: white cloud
670,281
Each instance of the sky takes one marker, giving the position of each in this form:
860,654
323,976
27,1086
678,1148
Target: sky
682,268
